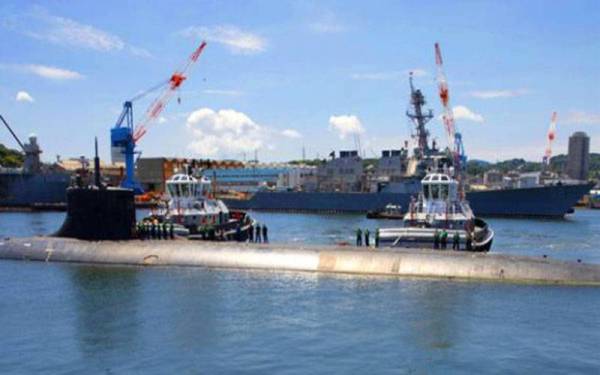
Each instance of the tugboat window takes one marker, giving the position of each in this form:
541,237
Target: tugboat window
444,192
434,191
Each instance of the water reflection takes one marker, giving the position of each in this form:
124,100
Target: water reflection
37,224
106,309
196,297
439,309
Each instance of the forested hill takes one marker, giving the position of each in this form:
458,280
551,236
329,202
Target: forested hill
10,158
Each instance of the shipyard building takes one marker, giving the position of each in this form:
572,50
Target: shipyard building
153,172
252,177
578,160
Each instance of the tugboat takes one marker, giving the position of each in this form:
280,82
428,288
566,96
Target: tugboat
195,214
438,210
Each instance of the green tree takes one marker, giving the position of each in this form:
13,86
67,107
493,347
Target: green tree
10,158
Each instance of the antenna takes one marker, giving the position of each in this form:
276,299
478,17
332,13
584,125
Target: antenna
357,145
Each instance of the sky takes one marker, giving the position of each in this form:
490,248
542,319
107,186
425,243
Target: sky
277,77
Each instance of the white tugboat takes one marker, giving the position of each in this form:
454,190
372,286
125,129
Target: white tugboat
197,215
439,212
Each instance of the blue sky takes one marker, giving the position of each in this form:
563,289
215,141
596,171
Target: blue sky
279,75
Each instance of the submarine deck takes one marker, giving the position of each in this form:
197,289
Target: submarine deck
328,259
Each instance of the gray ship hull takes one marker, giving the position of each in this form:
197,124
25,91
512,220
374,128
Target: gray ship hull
30,190
544,201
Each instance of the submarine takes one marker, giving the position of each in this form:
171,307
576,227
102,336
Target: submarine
411,263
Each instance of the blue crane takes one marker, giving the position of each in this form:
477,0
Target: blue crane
124,135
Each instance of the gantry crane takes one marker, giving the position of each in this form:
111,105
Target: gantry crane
124,135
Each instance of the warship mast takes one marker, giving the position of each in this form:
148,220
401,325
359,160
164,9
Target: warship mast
420,119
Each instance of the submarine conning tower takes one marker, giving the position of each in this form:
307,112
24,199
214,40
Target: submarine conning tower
97,212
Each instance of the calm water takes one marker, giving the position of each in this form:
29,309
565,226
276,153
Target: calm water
61,318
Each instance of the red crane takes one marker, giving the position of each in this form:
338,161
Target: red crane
157,106
454,137
551,137
444,93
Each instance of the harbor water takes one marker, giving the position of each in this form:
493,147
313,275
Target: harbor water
66,318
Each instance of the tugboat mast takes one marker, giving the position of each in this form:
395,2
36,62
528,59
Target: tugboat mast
420,119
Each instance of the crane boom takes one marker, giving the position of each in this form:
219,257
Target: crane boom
551,136
454,137
444,93
13,134
157,106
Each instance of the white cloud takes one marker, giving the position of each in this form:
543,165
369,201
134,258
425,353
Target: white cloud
238,41
494,94
291,133
65,31
140,52
582,118
418,72
223,92
23,96
50,72
345,125
162,120
463,113
322,27
218,133
390,75
40,24
326,23
376,76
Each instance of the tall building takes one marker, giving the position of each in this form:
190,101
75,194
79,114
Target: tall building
578,161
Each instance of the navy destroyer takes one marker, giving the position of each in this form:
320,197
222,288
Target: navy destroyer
397,177
35,185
